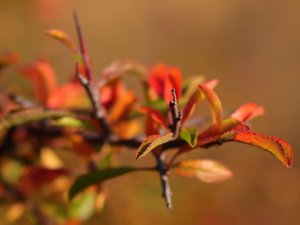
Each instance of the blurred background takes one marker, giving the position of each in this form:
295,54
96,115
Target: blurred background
251,46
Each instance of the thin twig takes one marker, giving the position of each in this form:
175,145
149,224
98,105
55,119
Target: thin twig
175,124
83,51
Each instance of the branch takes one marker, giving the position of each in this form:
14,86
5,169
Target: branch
163,172
98,111
175,124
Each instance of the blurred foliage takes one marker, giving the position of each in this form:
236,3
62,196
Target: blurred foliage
251,46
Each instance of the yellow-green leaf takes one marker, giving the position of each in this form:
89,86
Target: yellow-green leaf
151,142
62,37
30,115
190,136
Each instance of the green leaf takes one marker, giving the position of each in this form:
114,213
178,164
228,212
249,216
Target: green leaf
68,122
206,170
190,136
30,115
96,177
83,207
151,142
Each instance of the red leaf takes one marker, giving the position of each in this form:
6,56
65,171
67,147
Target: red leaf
279,147
110,92
42,77
151,126
163,79
156,115
247,112
35,177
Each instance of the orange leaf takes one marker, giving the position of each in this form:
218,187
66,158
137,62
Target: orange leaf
196,97
279,147
206,170
156,115
216,110
69,96
63,38
127,129
122,106
42,77
247,112
7,59
151,142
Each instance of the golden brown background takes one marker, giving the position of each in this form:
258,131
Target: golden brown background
251,46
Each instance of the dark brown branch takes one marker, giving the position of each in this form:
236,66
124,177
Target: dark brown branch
175,124
98,112
164,179
83,51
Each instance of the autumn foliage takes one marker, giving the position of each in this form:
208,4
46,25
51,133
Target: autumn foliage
90,117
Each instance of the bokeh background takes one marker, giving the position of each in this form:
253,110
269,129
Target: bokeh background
251,46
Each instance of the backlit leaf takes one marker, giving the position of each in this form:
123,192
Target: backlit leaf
206,170
277,146
62,37
97,177
151,142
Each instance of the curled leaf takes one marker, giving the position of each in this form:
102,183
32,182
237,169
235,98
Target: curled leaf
195,98
151,142
97,177
43,78
206,170
215,106
277,146
62,37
